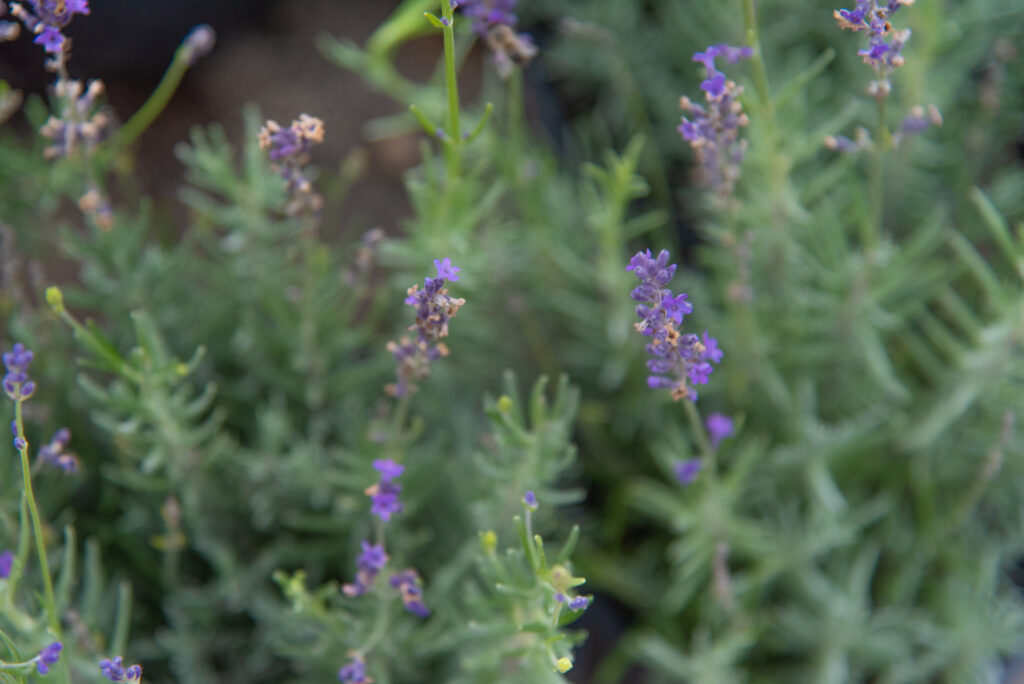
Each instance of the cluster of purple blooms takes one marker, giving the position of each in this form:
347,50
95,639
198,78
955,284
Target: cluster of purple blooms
17,384
885,49
884,54
495,22
48,656
409,586
434,309
679,361
115,671
373,559
289,150
384,494
48,19
713,131
354,672
53,453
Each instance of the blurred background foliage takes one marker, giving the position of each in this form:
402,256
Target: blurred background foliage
866,524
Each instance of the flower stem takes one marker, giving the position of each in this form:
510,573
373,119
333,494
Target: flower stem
701,435
452,86
156,103
882,140
760,72
37,526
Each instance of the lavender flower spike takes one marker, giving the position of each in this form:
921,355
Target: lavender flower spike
48,656
434,309
408,583
115,671
17,384
713,130
384,494
354,672
495,22
369,564
885,44
679,361
289,150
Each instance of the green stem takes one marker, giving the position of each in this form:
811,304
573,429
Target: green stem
760,71
37,526
882,139
380,624
452,85
156,103
703,443
398,425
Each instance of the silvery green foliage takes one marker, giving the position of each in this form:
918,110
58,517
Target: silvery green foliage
862,524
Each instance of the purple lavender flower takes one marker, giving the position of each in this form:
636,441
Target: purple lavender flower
434,309
713,132
6,563
719,427
289,150
408,583
884,52
580,602
686,471
495,22
368,565
48,656
354,672
445,270
916,122
384,494
53,453
47,19
115,671
678,361
530,499
16,381
388,469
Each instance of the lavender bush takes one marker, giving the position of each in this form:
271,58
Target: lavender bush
734,402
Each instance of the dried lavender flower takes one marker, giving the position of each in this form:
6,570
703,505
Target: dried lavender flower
679,360
289,151
713,131
81,123
434,309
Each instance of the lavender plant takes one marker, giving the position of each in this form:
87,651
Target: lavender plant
279,493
